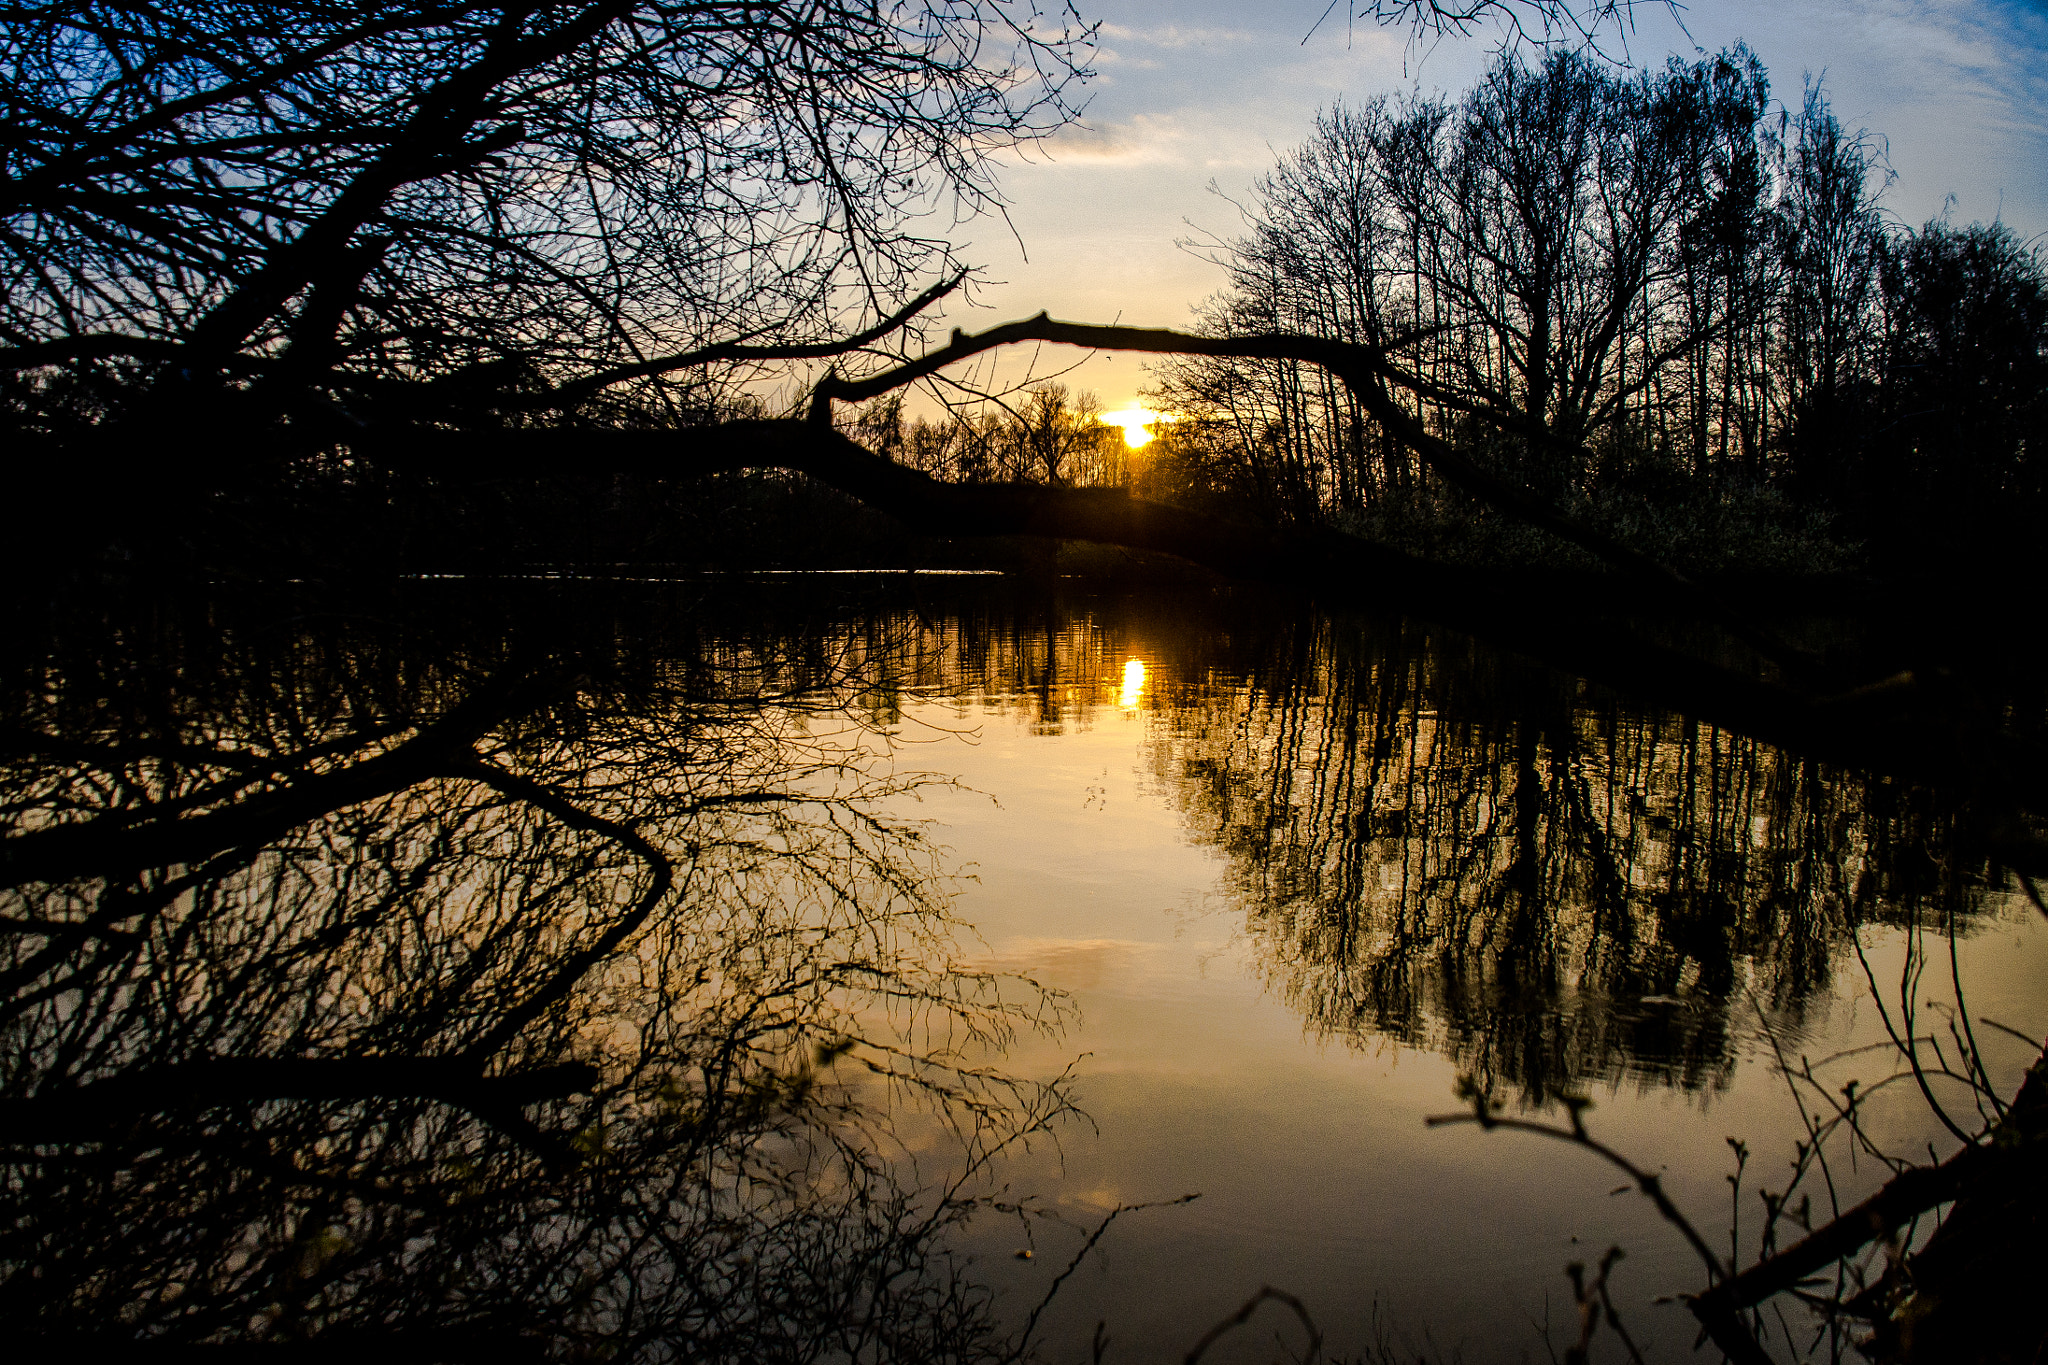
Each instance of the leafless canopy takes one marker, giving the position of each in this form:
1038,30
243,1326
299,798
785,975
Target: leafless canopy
1537,20
403,189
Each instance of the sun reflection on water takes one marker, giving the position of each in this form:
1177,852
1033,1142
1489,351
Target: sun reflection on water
1134,685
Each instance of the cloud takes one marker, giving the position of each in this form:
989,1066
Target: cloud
1142,139
1173,37
1197,139
1957,91
1109,59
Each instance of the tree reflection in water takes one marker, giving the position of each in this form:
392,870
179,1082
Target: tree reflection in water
501,988
1433,845
1431,842
1425,841
456,976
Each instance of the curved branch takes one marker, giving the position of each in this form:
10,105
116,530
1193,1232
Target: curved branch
1267,1293
1723,1324
574,965
124,843
1648,1182
1526,612
574,392
1367,373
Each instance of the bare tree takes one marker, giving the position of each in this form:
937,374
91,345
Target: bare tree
1831,239
1526,20
1528,256
224,215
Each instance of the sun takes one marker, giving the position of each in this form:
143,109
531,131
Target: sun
1137,424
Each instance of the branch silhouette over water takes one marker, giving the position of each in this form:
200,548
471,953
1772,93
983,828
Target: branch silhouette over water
375,980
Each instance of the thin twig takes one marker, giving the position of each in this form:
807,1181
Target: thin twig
1031,1323
1244,1315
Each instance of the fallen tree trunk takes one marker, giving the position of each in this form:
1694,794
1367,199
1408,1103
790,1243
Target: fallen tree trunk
1967,1296
1882,729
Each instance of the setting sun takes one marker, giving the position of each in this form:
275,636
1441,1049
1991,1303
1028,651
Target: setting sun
1137,424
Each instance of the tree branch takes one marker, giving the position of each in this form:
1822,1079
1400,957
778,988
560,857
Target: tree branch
130,841
1366,372
576,391
1524,612
2017,1139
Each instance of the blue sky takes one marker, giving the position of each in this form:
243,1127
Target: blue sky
1204,91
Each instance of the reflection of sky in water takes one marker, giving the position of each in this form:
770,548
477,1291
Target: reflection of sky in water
1093,873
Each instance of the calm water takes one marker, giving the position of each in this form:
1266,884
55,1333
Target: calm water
1300,874
1264,884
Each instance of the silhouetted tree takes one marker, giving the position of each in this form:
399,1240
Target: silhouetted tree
1636,296
1962,419
1830,241
1546,259
233,226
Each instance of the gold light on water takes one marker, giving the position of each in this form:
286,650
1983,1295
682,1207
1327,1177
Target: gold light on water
1137,424
1134,685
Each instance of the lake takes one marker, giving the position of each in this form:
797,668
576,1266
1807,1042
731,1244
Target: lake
986,910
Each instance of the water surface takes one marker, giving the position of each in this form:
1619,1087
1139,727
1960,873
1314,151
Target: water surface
1301,874
749,972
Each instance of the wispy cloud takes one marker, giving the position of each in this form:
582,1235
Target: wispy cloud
1959,92
1174,36
1196,138
1110,59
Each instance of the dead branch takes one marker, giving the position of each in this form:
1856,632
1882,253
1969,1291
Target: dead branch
1368,374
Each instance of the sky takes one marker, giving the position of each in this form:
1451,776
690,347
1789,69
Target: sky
1194,100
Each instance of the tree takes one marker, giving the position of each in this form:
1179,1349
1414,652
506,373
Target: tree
1963,413
1830,239
1538,257
1680,322
318,214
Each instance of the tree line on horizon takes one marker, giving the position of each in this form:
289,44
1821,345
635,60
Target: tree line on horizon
1656,298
